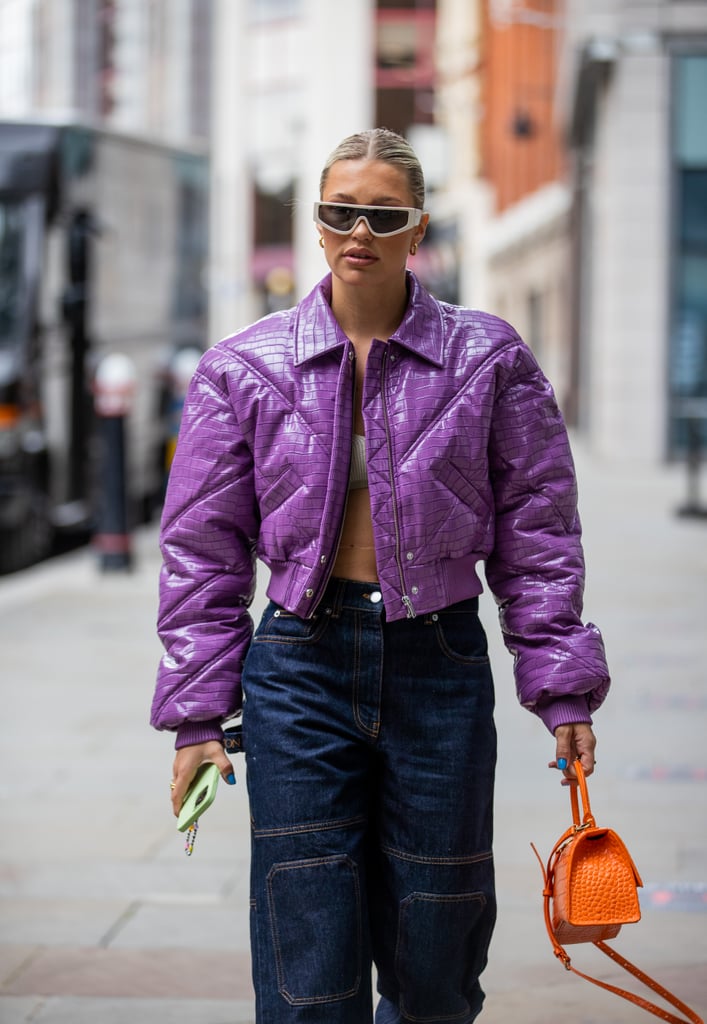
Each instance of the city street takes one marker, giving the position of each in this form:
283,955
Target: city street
105,919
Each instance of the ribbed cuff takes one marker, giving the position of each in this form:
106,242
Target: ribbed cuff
564,711
198,732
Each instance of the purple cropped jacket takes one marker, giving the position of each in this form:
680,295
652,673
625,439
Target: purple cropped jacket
468,462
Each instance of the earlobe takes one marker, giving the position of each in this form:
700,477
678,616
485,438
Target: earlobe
420,232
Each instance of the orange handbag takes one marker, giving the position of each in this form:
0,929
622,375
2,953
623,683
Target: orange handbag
591,890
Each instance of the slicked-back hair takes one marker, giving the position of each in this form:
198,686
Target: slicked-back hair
380,144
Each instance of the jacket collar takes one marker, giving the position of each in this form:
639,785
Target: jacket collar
421,329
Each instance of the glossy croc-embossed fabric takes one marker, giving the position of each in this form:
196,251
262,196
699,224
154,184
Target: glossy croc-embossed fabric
468,462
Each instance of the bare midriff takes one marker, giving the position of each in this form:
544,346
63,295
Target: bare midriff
356,558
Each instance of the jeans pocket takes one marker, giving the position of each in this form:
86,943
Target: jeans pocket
316,922
460,635
442,946
280,626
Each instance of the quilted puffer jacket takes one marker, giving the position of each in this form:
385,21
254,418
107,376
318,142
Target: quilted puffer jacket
468,462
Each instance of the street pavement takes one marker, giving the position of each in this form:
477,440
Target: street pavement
104,918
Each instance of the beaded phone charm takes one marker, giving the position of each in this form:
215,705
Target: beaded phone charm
190,838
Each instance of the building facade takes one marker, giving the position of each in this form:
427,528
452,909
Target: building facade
141,66
635,83
508,187
288,92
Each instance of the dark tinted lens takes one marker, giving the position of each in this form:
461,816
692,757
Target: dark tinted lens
387,220
341,218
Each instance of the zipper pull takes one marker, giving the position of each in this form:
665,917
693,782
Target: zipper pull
412,614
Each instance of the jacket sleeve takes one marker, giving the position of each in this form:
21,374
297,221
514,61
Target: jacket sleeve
536,569
208,537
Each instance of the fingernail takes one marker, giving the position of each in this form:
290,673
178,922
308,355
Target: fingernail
562,763
231,779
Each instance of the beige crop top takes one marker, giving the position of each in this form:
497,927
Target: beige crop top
358,477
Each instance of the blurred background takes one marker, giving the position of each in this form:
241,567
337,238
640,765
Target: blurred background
158,160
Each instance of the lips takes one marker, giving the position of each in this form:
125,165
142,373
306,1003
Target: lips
359,255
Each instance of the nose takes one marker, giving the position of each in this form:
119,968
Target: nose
362,227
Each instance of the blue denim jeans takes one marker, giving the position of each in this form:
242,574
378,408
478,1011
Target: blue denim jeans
370,750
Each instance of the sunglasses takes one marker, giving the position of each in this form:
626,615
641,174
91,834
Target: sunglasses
342,218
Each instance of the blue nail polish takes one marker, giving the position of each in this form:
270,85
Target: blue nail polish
231,779
562,763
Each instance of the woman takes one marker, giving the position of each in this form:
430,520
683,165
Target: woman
371,446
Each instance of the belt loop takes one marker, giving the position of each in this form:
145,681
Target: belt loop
334,597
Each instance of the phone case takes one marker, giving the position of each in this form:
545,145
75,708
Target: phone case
200,796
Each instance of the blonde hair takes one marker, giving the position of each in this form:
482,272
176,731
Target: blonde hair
380,144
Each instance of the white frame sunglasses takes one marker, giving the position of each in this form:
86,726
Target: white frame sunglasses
374,216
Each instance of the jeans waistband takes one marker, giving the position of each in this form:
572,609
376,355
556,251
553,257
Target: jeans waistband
353,595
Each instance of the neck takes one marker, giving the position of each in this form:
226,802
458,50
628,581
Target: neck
368,313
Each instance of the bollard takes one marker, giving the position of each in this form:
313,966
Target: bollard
695,416
114,387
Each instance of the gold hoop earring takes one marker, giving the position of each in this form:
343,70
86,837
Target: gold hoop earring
321,241
413,248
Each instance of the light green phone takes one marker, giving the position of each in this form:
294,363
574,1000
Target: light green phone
200,795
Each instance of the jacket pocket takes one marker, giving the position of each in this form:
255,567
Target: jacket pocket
462,489
276,492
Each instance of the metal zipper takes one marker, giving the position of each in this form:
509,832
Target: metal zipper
409,607
332,560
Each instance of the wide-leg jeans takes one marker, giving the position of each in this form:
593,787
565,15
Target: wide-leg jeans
370,750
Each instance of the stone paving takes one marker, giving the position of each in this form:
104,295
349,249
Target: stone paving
105,919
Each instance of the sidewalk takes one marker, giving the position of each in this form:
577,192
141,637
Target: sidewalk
105,919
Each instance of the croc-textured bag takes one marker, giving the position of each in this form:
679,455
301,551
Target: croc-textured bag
591,890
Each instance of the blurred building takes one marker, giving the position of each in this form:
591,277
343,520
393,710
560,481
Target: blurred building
143,66
634,87
294,78
579,182
507,187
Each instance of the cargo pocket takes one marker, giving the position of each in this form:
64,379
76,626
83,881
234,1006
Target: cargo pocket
442,945
315,916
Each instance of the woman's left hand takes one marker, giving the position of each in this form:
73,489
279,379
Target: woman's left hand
573,741
187,762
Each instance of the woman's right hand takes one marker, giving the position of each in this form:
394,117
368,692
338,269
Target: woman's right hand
187,762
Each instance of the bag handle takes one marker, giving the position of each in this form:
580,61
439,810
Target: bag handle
561,953
580,783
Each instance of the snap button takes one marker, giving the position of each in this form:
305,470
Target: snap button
309,592
416,590
322,560
409,556
375,597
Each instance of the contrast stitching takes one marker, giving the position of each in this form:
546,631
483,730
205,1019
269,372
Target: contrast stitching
470,858
287,866
305,827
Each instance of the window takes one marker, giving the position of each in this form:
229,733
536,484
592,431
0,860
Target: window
271,10
688,343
